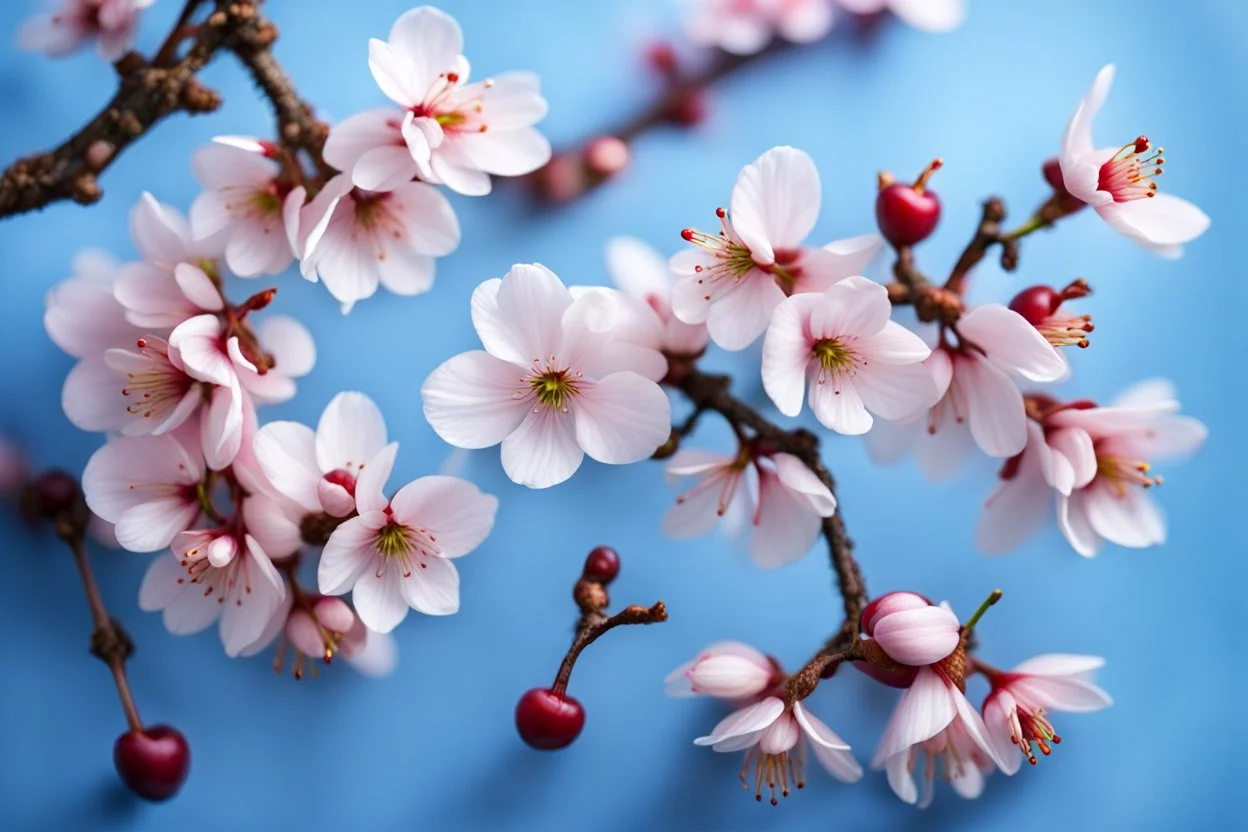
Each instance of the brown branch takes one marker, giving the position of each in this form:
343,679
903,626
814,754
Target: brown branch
592,600
710,392
987,234
149,91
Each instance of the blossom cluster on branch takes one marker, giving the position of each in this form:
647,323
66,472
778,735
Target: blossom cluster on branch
173,370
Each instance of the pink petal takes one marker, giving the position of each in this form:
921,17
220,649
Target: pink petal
638,269
994,407
160,232
432,588
1059,664
268,522
542,451
1015,510
796,477
393,73
349,553
1072,519
519,318
378,598
513,102
198,287
896,391
1064,694
1012,343
1128,519
729,677
838,405
930,15
854,306
431,40
925,709
786,353
775,202
919,636
1077,140
785,524
286,452
369,494
737,318
471,400
743,722
622,418
222,427
1075,446
1162,220
383,168
504,152
351,138
350,433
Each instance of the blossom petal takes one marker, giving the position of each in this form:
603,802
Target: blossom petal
1162,220
519,318
994,406
925,709
737,318
747,720
1077,140
896,391
431,40
796,477
775,202
622,418
838,405
1072,519
542,451
458,515
350,433
918,637
348,553
1131,518
1012,343
786,353
785,524
471,400
369,486
286,452
432,588
378,598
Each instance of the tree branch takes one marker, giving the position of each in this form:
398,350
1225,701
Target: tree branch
149,92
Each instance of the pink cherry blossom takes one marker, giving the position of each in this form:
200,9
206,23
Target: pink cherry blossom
744,27
147,486
110,23
193,592
913,631
397,553
449,131
356,240
552,384
319,471
784,501
726,670
935,721
1015,710
331,629
979,400
246,205
1120,182
178,276
928,15
642,273
841,350
81,315
1115,505
771,735
733,280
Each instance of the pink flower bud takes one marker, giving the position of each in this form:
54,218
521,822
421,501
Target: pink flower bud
606,156
890,603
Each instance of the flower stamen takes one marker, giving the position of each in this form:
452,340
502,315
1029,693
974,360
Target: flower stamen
1128,174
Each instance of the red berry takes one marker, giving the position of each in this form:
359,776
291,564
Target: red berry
690,111
602,565
153,762
908,214
548,721
1036,303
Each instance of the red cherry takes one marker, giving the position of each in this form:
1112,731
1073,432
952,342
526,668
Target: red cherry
547,720
602,565
908,214
153,762
1035,303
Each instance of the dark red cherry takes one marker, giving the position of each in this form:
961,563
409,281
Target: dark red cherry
908,214
602,565
153,762
547,720
1035,303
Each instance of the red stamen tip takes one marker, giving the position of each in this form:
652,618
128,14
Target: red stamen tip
687,234
1141,144
721,213
453,77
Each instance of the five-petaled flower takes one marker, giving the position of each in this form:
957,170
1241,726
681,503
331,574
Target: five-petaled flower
552,384
733,280
110,23
1120,182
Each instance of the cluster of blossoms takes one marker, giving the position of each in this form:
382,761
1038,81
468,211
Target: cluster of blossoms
111,24
744,27
910,644
173,371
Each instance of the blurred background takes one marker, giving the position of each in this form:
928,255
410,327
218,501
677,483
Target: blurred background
434,745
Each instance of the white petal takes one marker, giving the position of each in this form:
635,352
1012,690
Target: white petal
520,317
622,419
1014,511
286,452
432,588
838,406
151,526
351,138
383,168
431,40
472,400
1077,140
787,353
1162,220
997,728
198,287
392,73
504,152
638,269
378,598
369,485
91,396
350,433
348,553
290,344
775,202
745,721
1012,343
924,711
918,637
795,476
1131,518
729,677
1059,664
930,15
896,391
814,728
1076,446
542,451
1072,519
854,306
994,407
1064,694
785,525
428,218
737,319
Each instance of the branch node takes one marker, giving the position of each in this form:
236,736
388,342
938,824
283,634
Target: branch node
112,644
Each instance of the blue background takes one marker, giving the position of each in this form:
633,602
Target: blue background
433,746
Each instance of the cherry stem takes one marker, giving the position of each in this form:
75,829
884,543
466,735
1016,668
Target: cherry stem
993,598
992,674
108,641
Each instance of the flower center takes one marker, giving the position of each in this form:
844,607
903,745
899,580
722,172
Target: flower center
344,478
156,389
554,386
834,357
231,582
1128,175
404,546
454,115
775,770
732,260
1028,726
1122,473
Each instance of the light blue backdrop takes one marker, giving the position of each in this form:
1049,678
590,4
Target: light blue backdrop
434,747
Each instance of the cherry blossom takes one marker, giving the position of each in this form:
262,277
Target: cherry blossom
725,670
1120,182
841,350
449,131
246,204
193,592
785,501
551,385
912,630
744,27
398,553
979,401
1115,504
110,23
356,240
319,471
928,15
934,721
178,277
148,487
328,628
733,280
642,273
1015,710
771,735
